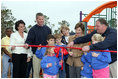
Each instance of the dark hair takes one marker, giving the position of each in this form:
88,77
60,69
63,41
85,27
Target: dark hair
81,25
39,14
18,23
9,28
103,21
50,37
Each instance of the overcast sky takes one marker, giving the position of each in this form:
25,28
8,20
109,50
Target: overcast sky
55,10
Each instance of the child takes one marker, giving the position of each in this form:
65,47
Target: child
50,64
41,51
100,60
74,58
62,73
86,70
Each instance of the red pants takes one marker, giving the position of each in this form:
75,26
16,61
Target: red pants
49,76
101,73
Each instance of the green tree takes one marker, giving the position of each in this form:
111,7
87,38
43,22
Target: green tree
51,26
48,23
28,28
64,22
46,20
7,20
113,23
57,31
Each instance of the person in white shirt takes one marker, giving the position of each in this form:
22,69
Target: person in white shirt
20,55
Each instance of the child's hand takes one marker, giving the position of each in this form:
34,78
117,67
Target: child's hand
89,65
85,53
95,54
49,64
82,68
61,62
70,53
39,47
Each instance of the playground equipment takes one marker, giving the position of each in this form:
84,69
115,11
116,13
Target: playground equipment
111,14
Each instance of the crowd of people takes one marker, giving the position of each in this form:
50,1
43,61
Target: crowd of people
54,63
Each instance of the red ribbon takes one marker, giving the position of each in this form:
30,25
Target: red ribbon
62,47
56,50
63,51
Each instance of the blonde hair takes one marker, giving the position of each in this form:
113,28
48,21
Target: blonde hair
58,36
64,27
97,37
48,50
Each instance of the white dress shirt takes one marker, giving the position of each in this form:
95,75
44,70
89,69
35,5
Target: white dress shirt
67,38
16,39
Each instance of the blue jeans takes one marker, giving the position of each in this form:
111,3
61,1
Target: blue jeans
6,65
62,73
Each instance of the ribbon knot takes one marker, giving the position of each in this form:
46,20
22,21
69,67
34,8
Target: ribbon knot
63,52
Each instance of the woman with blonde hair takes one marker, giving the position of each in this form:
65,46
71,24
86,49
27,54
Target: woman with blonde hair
65,38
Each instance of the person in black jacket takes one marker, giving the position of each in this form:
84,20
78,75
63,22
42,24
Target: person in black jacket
37,35
110,42
65,31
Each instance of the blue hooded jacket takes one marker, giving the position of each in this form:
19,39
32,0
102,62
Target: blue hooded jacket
102,61
40,53
87,70
55,65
